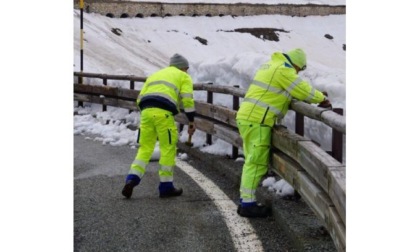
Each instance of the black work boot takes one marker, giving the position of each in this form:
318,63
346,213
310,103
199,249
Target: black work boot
254,211
128,188
171,193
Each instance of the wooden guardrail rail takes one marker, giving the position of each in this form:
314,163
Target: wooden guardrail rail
318,177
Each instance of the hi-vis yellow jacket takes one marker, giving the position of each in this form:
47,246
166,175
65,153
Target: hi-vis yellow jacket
270,93
168,88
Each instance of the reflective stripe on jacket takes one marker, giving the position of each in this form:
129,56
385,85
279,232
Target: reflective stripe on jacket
270,93
172,86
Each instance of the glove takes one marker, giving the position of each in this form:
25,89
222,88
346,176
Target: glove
191,128
325,103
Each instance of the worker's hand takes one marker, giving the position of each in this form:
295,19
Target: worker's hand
191,128
325,104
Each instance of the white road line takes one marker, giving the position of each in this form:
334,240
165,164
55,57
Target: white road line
241,231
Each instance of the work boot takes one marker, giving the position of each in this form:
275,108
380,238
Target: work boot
254,211
167,189
128,188
171,193
131,181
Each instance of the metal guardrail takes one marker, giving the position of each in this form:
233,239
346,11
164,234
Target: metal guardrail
318,177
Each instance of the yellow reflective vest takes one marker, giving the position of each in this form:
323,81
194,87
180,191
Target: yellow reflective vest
270,93
171,87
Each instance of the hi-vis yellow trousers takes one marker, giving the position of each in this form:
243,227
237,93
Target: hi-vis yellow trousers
156,124
256,147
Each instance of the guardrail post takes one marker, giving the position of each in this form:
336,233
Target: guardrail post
337,140
299,124
80,81
210,101
235,107
104,81
132,88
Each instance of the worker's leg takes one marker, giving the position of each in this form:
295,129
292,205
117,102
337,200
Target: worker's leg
168,138
256,145
147,144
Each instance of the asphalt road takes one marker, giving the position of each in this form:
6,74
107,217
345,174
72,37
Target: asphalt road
105,221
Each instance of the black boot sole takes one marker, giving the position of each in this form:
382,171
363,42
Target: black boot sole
254,213
174,193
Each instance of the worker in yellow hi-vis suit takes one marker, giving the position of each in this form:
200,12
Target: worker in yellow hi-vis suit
268,99
159,101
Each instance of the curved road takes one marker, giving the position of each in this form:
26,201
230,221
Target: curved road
202,219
